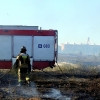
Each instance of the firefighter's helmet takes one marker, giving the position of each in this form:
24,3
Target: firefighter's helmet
23,49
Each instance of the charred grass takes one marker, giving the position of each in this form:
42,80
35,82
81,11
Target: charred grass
74,81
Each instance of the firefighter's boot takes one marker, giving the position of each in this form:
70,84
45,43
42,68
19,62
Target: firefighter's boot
19,84
28,80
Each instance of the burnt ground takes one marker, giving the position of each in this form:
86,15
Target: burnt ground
51,86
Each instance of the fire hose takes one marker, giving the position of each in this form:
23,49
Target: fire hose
54,75
41,70
5,74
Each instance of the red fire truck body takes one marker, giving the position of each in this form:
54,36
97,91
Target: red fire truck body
42,45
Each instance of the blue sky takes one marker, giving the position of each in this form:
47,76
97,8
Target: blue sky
75,20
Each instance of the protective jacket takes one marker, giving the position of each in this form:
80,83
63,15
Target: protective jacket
23,60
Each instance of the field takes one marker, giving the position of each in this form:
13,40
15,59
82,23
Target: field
63,82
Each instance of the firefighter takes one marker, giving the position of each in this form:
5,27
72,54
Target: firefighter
23,67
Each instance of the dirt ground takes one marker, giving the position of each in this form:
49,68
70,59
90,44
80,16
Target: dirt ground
51,86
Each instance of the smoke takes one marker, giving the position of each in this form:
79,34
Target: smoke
56,94
28,91
31,91
24,90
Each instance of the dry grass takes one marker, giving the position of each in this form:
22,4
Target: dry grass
67,68
74,69
4,70
88,86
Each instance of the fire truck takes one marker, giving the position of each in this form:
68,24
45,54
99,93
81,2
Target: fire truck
42,45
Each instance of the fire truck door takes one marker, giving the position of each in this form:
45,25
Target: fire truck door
19,41
5,47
